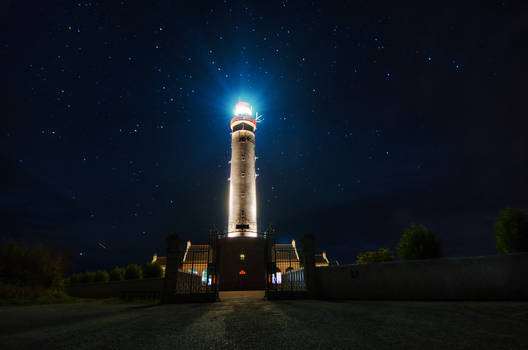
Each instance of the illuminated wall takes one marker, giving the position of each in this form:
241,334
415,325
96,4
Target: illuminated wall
286,257
195,267
196,258
242,188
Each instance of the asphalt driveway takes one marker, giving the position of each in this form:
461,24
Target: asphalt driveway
245,320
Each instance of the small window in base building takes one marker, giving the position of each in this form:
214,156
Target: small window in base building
242,272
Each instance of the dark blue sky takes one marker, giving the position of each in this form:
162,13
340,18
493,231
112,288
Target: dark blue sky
115,127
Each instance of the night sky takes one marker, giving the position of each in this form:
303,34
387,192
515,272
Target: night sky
115,121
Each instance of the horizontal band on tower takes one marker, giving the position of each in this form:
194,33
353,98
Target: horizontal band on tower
251,122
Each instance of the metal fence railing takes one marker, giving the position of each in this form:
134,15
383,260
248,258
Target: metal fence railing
285,274
293,280
196,278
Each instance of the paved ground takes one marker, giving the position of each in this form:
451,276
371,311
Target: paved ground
245,320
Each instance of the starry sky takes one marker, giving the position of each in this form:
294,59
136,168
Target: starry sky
115,121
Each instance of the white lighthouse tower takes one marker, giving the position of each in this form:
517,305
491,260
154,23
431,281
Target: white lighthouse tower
242,187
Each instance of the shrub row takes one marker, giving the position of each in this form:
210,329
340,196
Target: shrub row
131,272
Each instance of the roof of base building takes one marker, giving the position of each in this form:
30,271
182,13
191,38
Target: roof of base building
321,259
196,253
199,253
162,260
285,252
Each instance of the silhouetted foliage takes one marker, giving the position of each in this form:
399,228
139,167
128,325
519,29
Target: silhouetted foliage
87,277
14,294
511,231
382,254
418,242
117,274
152,270
101,276
133,272
75,278
40,266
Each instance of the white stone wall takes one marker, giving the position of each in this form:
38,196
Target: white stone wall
465,278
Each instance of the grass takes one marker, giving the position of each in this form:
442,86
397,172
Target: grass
55,297
12,294
63,298
134,301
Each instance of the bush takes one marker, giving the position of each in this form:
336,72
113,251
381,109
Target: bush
418,242
41,266
9,290
87,277
382,254
11,294
133,272
511,231
117,274
75,278
101,276
152,270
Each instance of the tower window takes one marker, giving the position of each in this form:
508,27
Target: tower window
243,174
242,194
242,256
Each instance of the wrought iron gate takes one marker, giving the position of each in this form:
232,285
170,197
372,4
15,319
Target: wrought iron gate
197,280
285,272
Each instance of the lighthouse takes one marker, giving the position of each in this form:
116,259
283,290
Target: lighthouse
241,258
242,182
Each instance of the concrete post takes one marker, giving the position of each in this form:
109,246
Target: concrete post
172,268
309,265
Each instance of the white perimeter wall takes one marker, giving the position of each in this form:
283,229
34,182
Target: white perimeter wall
472,278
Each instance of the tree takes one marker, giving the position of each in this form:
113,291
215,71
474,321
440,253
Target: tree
511,231
36,266
75,278
152,270
418,242
101,276
133,272
117,274
382,254
87,277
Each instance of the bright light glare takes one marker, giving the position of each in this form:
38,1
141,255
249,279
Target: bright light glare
243,108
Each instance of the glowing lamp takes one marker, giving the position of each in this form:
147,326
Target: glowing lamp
243,109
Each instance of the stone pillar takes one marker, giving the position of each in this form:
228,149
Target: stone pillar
309,265
171,271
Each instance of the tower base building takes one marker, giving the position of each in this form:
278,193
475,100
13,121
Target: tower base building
242,263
